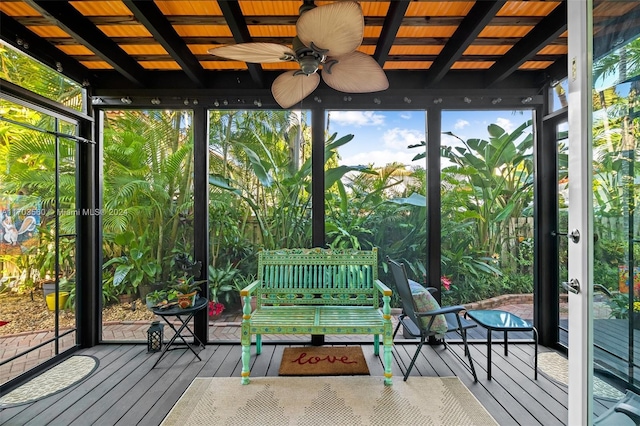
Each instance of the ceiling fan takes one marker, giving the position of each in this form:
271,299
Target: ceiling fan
327,37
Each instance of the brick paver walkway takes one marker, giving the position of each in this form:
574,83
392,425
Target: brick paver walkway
226,328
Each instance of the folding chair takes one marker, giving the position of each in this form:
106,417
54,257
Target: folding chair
435,322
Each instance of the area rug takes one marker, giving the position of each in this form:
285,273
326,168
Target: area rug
323,361
56,379
356,400
556,367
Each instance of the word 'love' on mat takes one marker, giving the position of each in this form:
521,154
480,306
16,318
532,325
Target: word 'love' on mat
323,361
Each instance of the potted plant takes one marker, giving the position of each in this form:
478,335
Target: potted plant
155,297
187,291
187,287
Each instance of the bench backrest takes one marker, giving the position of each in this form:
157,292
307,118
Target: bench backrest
317,277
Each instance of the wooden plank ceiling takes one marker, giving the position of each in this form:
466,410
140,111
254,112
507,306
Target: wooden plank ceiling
129,43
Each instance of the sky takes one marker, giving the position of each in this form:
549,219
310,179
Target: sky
382,137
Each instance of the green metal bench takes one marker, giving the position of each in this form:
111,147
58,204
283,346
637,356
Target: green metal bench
317,291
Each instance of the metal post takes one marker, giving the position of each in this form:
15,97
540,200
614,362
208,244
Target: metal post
201,211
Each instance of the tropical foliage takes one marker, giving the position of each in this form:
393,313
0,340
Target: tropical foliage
260,180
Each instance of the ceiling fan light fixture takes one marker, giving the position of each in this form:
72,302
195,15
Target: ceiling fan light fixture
309,64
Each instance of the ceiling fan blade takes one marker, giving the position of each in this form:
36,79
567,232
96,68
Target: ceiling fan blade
337,27
291,87
354,73
255,52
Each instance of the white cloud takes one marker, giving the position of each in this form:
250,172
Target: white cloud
461,124
405,116
392,148
356,118
505,123
400,139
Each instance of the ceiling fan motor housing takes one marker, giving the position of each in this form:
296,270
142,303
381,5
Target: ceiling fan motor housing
308,58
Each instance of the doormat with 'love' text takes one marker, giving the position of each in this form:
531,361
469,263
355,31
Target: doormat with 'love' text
323,361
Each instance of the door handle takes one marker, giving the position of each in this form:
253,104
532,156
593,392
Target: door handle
573,286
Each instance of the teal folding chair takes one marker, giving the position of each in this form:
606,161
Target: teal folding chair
410,319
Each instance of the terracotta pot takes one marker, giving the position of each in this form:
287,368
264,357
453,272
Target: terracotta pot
125,298
187,300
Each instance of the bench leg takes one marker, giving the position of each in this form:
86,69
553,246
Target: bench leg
387,338
246,352
376,345
258,344
387,341
246,358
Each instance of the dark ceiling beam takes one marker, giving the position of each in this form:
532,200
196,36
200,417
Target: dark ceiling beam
549,28
231,83
558,71
153,19
233,15
36,47
68,18
390,27
369,21
478,17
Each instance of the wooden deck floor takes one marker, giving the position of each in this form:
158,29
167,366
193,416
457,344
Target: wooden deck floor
125,390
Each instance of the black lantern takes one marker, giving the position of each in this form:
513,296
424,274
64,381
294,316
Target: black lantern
154,337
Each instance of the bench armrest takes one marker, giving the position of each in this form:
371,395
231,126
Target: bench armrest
379,285
386,299
250,288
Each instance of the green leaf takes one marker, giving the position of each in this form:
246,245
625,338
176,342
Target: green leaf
505,213
125,238
331,145
335,174
495,131
150,269
258,167
121,274
222,183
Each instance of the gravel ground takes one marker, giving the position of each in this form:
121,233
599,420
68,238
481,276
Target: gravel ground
22,313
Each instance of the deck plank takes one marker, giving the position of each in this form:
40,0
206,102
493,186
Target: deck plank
21,414
125,390
49,408
155,390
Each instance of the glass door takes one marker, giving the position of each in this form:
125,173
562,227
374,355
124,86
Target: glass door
604,179
562,147
616,135
37,237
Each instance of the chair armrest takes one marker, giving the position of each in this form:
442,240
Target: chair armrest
250,288
629,411
446,310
